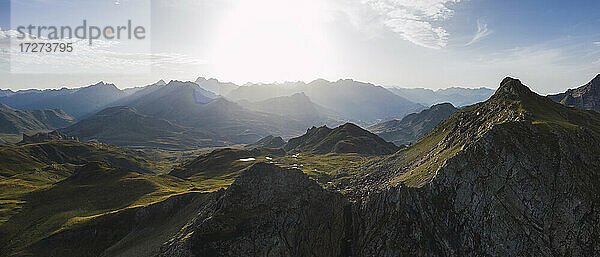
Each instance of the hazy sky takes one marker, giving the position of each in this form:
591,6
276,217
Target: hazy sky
550,45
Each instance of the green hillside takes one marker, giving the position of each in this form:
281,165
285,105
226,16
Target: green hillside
512,102
16,121
347,138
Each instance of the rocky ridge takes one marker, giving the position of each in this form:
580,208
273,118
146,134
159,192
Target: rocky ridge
521,179
585,97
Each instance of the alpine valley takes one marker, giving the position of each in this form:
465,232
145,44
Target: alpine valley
324,168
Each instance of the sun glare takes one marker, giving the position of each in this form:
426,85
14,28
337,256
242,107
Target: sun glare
272,39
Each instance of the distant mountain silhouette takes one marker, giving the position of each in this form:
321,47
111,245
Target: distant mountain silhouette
298,107
133,94
127,127
76,102
455,95
215,86
357,101
414,126
6,92
189,105
16,121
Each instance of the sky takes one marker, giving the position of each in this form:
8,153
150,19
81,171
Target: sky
550,45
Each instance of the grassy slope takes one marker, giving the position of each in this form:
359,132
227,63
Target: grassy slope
126,127
419,163
18,121
332,171
347,138
27,169
93,191
50,208
219,168
49,190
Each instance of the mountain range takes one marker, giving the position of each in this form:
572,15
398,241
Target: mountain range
215,86
189,105
76,102
16,121
355,101
497,178
298,107
502,177
414,126
6,92
347,138
455,95
125,126
209,112
515,175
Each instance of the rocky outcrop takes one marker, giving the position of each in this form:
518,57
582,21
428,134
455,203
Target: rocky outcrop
585,97
522,181
46,136
267,211
519,191
269,141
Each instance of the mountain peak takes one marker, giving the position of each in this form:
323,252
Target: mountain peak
349,125
98,86
512,88
348,138
318,82
443,106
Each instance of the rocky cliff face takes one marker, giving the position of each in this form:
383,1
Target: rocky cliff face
585,97
267,211
526,185
521,190
269,141
46,136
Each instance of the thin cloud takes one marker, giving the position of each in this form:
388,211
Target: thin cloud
482,32
414,20
103,56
